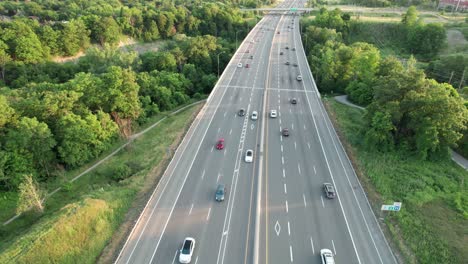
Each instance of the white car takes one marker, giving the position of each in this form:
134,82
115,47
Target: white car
239,65
254,115
326,256
249,156
187,250
299,78
273,114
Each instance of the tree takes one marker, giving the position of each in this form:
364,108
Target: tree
30,196
33,140
50,39
161,61
75,36
4,59
379,136
106,30
410,17
6,112
98,60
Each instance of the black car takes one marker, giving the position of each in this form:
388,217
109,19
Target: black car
285,132
287,47
220,192
287,63
293,101
329,190
241,112
281,53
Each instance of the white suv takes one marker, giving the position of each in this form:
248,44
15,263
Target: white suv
254,115
326,256
187,250
273,114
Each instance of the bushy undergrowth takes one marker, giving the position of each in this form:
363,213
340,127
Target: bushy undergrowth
434,215
80,220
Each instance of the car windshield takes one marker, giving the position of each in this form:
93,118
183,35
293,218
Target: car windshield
186,248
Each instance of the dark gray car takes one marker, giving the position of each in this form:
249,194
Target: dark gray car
220,192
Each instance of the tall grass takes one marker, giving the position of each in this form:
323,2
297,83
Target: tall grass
80,220
434,218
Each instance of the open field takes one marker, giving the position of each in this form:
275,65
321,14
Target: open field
80,220
431,227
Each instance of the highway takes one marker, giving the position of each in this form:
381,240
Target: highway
275,210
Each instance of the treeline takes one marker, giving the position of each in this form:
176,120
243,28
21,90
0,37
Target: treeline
32,32
386,3
60,116
47,125
405,109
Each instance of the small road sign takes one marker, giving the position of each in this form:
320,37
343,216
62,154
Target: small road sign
393,207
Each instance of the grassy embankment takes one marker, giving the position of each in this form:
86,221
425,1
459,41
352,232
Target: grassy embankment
80,220
432,225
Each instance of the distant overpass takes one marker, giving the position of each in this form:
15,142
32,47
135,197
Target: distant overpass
280,9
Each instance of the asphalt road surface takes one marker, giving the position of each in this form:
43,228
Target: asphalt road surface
275,210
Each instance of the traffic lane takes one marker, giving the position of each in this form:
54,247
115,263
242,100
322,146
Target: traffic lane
170,185
210,143
197,192
370,242
300,166
240,235
276,236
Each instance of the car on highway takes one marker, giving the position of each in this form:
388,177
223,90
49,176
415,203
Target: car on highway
299,78
220,144
285,132
295,64
249,156
281,53
326,256
251,56
287,47
293,49
293,101
287,63
241,112
187,250
254,115
273,114
239,65
329,190
220,192
277,32
247,65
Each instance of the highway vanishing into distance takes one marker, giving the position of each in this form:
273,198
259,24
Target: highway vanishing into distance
275,210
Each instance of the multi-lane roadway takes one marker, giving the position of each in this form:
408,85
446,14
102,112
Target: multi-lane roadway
275,210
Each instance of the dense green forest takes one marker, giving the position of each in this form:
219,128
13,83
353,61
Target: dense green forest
60,116
406,109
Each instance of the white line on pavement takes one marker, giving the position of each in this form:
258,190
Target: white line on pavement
219,129
284,174
208,215
290,253
175,255
312,245
282,160
230,132
219,175
203,174
285,190
295,147
299,168
305,203
305,127
334,249
225,113
281,148
287,209
196,260
289,229
323,204
315,171
212,149
308,144
292,126
190,212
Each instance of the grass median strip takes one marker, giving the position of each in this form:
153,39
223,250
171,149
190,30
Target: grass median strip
431,227
80,220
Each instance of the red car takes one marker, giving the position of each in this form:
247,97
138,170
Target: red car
220,144
247,65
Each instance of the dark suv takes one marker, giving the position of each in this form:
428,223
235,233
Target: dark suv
293,101
329,190
285,132
241,112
